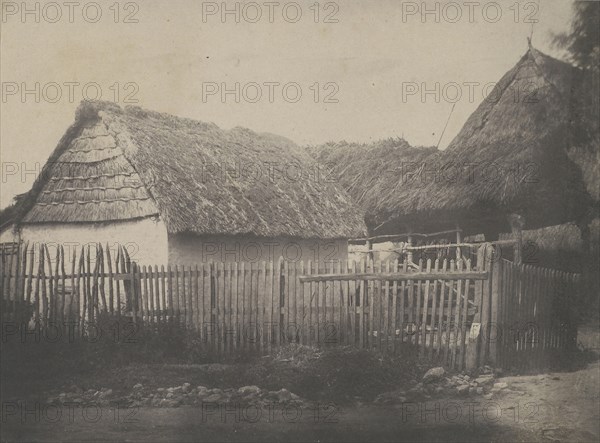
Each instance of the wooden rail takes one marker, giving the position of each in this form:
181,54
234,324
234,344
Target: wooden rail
473,275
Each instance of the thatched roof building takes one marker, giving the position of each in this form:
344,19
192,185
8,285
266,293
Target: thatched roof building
512,156
118,165
121,164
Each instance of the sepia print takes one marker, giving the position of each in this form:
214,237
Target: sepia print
300,221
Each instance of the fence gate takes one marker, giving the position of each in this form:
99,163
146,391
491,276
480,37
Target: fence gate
391,307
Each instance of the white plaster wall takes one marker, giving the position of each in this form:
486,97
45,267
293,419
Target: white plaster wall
189,249
146,240
8,235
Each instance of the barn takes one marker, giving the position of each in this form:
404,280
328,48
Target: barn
177,191
521,161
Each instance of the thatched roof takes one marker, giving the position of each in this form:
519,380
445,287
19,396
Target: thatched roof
122,164
372,173
511,156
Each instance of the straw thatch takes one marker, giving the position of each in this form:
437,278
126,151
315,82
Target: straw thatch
121,164
511,156
372,173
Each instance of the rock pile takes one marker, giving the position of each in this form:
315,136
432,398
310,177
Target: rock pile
182,395
437,383
102,397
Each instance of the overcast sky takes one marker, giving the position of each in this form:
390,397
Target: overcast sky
360,69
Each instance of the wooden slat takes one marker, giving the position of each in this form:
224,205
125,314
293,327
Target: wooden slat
539,321
456,329
379,304
185,294
239,305
206,332
309,286
250,301
170,298
191,298
434,301
243,309
159,299
81,292
403,300
176,295
51,300
17,284
449,318
197,299
220,299
394,312
340,295
416,276
331,319
361,309
259,304
302,294
144,295
463,325
289,302
353,287
295,305
386,311
117,285
442,310
417,306
323,325
88,286
30,276
8,279
111,306
74,294
425,311
226,306
279,290
154,305
546,290
3,275
24,281
268,326
102,279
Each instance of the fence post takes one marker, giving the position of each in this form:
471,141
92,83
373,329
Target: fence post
474,345
281,305
495,307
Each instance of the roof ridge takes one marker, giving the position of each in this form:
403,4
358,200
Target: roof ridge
540,71
484,118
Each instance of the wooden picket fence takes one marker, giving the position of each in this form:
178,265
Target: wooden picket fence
447,311
536,322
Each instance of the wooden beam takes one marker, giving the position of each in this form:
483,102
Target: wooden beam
471,275
441,246
392,237
517,223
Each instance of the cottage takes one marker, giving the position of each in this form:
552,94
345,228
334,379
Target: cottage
178,191
517,163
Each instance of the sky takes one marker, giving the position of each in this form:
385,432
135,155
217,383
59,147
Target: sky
310,71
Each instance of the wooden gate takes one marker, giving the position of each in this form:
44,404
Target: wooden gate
390,307
535,325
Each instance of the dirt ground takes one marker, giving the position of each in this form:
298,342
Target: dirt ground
549,407
556,406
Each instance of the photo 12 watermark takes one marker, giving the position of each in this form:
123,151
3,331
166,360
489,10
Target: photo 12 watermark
270,12
69,92
470,12
70,12
270,92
